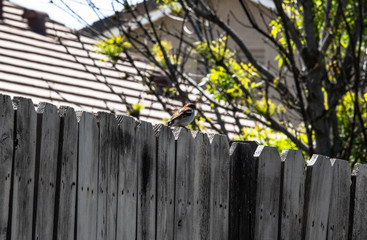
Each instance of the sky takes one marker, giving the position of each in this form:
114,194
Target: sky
57,10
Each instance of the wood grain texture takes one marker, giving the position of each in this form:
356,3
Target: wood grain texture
67,172
107,176
339,201
317,197
6,159
359,230
165,181
24,169
242,191
48,146
219,187
268,192
185,163
202,186
146,159
127,180
87,193
293,185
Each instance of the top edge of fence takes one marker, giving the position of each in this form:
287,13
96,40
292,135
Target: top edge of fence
62,109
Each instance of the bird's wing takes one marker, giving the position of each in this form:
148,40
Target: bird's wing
183,112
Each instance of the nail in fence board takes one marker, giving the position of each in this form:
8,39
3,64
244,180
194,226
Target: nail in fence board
48,145
127,180
339,201
360,204
6,158
201,186
107,176
267,193
293,184
165,181
219,187
24,169
242,191
317,197
146,159
185,160
87,178
67,171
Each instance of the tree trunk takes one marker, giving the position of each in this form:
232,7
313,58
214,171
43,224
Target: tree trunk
317,112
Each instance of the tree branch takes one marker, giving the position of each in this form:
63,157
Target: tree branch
289,25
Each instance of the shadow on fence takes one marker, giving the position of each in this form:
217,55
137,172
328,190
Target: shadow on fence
65,176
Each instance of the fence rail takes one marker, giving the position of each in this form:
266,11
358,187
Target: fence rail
67,175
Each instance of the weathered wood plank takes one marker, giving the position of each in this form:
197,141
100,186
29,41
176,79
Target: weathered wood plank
128,185
165,181
108,176
359,230
338,220
242,191
48,139
87,193
24,169
268,192
293,184
145,142
6,159
317,197
202,186
219,187
67,174
185,162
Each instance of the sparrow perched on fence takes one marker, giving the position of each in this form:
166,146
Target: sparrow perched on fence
183,117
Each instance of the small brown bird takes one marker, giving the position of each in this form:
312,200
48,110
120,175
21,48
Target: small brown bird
183,117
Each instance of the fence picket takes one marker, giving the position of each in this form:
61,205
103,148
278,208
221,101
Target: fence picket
242,191
339,201
87,178
124,179
24,169
67,173
6,158
107,176
293,185
146,159
165,181
359,230
48,145
201,186
317,197
127,180
219,187
185,160
267,193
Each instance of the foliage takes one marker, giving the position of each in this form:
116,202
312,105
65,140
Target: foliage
135,109
112,48
269,137
158,53
346,114
314,98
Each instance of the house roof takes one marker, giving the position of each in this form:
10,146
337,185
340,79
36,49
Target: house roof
61,67
108,24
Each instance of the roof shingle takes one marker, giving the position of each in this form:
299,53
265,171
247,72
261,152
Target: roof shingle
62,68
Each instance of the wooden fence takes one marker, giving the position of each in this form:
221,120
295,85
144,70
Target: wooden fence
64,176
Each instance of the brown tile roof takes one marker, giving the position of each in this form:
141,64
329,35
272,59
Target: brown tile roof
62,68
